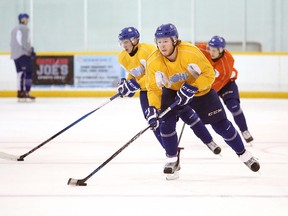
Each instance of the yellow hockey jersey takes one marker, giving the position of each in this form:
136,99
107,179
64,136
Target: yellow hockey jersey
135,65
190,66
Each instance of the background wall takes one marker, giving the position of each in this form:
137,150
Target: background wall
93,25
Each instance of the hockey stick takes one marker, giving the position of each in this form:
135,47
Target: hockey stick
21,157
82,182
179,139
181,133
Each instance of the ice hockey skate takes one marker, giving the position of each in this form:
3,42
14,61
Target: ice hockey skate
21,96
24,96
214,147
28,96
250,161
172,167
247,136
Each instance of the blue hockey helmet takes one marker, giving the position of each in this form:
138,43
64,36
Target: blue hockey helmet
166,30
217,42
22,16
128,33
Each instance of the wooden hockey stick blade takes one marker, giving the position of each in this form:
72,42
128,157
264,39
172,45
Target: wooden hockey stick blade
4,155
76,182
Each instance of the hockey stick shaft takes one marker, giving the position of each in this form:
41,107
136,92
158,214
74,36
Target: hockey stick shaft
21,158
80,182
181,133
117,152
69,126
176,174
179,139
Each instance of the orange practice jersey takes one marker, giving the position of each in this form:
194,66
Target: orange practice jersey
223,67
190,66
135,65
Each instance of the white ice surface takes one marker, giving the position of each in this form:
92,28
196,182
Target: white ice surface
133,183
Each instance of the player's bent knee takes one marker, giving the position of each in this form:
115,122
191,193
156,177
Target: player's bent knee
167,127
225,129
189,117
233,106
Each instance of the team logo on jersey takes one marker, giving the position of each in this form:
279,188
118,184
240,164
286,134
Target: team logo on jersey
138,71
194,70
179,77
216,73
161,80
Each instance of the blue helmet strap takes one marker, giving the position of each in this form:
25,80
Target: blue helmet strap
220,55
135,47
134,50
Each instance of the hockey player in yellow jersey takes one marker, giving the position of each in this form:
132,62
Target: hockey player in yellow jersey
179,71
133,57
133,60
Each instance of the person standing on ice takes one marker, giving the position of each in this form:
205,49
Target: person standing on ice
225,76
22,53
179,72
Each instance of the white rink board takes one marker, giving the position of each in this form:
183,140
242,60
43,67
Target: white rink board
256,73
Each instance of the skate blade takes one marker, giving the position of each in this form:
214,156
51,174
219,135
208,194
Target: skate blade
249,144
26,100
21,99
173,176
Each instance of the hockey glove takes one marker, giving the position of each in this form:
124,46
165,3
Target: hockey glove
130,87
151,115
121,87
185,94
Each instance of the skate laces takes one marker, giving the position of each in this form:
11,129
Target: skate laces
246,156
171,164
171,161
212,145
251,161
246,134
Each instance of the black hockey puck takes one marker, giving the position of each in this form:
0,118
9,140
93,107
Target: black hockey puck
20,159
